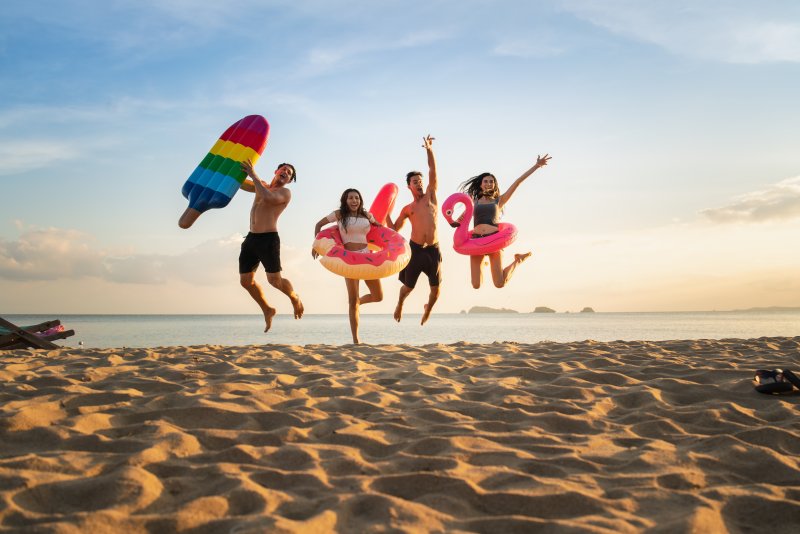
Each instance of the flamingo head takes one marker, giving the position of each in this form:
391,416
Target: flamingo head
448,208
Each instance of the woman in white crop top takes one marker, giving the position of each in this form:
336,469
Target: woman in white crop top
354,222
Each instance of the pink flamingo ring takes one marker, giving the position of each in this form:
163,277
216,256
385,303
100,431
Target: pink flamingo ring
463,242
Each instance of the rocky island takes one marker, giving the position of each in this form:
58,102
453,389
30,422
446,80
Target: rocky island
487,309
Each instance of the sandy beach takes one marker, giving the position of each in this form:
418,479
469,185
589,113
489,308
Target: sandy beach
549,437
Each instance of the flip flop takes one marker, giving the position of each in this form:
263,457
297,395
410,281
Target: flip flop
791,377
775,381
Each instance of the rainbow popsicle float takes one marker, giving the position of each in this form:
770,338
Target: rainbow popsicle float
214,182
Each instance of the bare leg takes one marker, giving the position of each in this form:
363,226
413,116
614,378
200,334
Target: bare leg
352,306
518,259
501,277
432,297
285,286
405,291
375,292
476,271
248,281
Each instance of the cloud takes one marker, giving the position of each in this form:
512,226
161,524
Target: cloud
524,48
18,156
61,254
146,25
732,31
326,57
49,254
778,202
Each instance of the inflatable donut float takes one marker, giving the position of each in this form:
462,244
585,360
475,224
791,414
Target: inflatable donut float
463,242
389,251
219,175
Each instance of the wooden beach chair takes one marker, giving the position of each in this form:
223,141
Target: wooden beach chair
38,336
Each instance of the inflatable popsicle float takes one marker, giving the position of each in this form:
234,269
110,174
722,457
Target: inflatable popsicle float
219,175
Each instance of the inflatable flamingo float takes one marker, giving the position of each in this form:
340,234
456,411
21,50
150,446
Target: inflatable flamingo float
463,242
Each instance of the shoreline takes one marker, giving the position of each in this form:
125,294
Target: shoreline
588,436
244,330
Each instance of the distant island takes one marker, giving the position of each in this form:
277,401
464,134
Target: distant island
487,309
543,309
771,309
587,309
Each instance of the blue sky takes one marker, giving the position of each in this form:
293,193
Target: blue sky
674,184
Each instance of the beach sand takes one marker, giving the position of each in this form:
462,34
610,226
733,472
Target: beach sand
549,437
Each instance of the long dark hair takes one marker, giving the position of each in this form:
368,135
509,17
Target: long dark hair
472,187
344,209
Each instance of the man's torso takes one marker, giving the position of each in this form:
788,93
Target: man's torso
422,215
264,215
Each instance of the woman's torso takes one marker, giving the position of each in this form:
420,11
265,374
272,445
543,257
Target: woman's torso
485,216
354,232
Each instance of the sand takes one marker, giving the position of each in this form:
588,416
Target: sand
548,437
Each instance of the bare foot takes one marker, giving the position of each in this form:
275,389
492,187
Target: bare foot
398,313
425,315
268,315
519,258
298,306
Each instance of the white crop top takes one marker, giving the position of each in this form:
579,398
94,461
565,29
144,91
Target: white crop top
357,228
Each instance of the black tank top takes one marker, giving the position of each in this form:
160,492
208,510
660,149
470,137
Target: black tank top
488,213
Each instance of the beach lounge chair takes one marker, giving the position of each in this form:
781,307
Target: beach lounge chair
38,336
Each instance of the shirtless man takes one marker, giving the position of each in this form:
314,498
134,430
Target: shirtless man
262,244
425,254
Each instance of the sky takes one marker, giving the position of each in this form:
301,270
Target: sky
674,182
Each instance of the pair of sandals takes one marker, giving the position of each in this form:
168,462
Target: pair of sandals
775,381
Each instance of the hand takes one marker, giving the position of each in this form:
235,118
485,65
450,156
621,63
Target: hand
427,142
541,161
314,254
247,167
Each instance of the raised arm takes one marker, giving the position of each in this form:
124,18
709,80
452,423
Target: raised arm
541,161
258,186
433,184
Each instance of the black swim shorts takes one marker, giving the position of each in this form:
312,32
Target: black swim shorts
426,260
260,248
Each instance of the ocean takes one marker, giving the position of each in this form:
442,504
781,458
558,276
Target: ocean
112,331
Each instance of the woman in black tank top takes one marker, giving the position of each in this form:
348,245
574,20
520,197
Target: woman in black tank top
487,205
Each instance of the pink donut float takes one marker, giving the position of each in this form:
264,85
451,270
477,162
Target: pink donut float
463,242
389,251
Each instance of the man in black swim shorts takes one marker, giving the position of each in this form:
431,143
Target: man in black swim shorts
262,244
425,255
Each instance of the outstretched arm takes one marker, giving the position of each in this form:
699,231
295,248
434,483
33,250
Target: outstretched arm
427,144
541,161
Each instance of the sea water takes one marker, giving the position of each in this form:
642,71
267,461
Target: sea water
110,331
